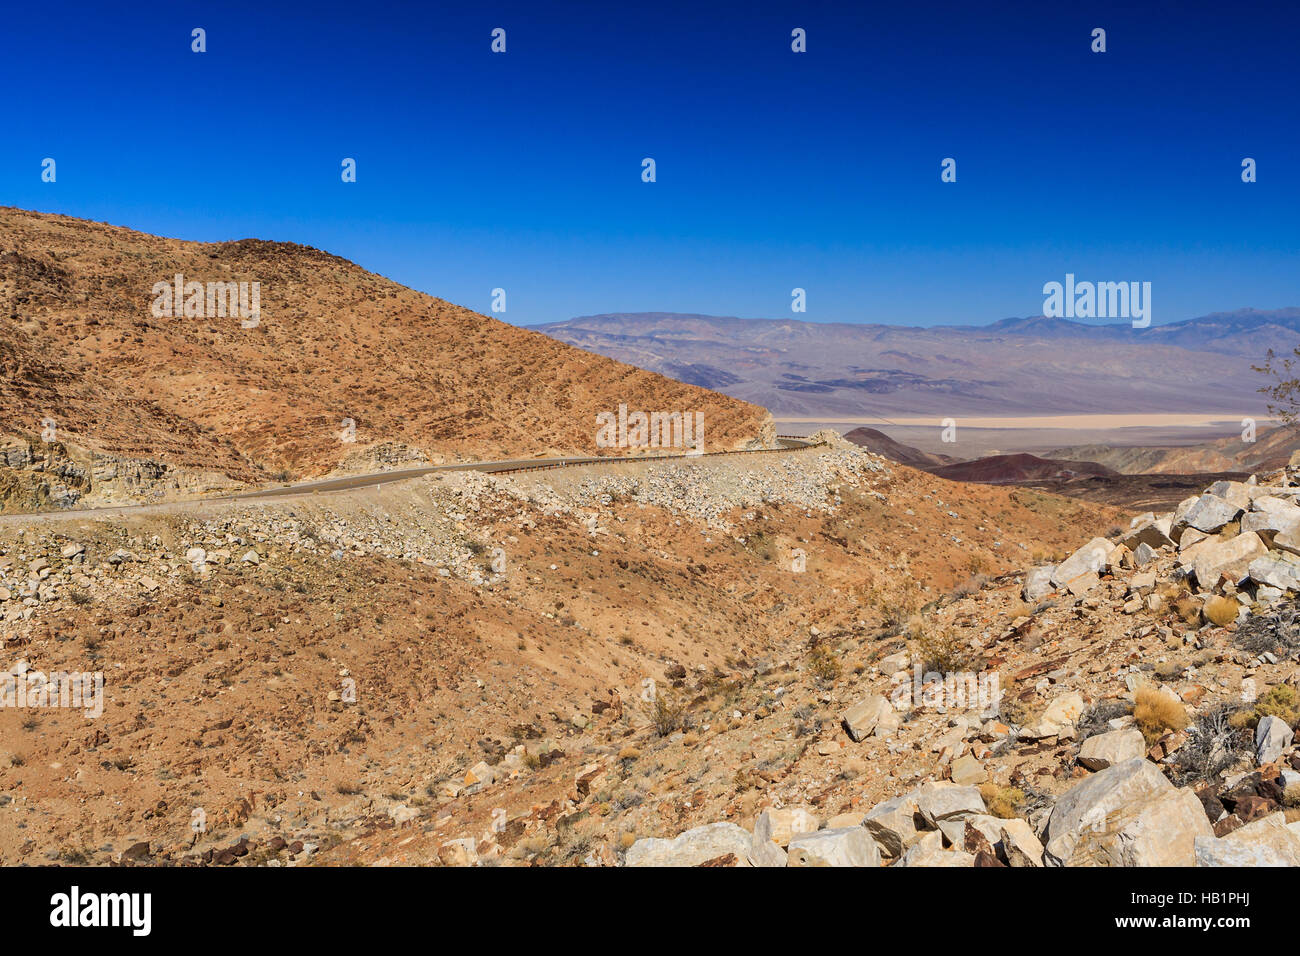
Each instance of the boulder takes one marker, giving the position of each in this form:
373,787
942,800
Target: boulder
1038,583
892,824
1270,504
1105,750
1061,714
693,847
1275,569
1020,845
1091,557
1152,534
1268,524
850,846
1081,584
1231,557
1236,493
1209,514
862,718
461,852
778,825
1268,841
1126,815
940,800
929,851
967,771
767,854
1271,738
1288,540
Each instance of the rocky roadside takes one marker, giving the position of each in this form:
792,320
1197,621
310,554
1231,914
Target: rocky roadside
1146,701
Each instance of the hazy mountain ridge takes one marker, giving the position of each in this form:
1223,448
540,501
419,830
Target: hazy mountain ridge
1018,366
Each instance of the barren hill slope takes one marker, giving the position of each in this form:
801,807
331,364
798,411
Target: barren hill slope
1271,450
421,378
878,442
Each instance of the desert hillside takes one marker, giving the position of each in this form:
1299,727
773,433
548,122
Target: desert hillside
136,398
372,675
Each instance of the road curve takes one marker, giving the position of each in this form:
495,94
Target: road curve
349,482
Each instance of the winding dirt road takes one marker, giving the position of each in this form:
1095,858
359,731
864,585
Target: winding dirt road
375,479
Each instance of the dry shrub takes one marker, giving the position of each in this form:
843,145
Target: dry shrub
1018,609
1013,710
1188,609
1280,701
943,651
1221,610
665,713
1157,713
1216,742
1002,802
823,664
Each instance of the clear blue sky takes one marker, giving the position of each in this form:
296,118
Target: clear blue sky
775,169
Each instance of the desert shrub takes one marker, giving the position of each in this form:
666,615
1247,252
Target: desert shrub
1097,719
823,664
1168,670
1002,802
1188,609
1280,701
1277,629
666,713
942,651
1013,710
1221,610
971,585
1018,608
1157,713
1214,744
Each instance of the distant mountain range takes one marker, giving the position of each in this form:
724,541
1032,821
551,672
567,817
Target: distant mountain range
1015,367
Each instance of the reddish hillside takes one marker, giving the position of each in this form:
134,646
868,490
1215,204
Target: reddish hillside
82,345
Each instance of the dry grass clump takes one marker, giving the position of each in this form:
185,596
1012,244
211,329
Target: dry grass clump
1188,609
1157,713
1221,610
1002,802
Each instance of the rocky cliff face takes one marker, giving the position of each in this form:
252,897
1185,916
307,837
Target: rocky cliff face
37,475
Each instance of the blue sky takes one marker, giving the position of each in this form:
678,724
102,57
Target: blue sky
818,170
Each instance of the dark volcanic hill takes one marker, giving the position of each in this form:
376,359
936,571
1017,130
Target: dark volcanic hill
1011,469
